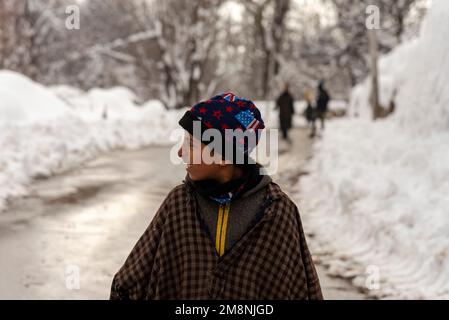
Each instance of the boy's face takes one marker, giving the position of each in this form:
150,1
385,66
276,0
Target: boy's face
196,168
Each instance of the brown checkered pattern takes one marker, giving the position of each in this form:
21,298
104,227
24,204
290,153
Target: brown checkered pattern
176,259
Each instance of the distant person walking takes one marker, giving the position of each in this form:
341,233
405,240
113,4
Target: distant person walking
286,110
310,112
322,101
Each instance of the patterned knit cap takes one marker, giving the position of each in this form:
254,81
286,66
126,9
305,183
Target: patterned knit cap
227,111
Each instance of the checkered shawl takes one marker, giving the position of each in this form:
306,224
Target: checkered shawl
175,258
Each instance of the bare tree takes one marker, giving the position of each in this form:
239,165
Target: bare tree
373,46
27,34
269,17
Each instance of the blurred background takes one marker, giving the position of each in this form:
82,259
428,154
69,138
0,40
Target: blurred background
91,92
181,51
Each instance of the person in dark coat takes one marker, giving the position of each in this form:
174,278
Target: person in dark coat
286,110
227,232
322,102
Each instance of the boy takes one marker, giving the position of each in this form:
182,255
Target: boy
227,232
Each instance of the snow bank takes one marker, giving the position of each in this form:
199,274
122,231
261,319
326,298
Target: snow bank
416,74
44,131
377,196
17,91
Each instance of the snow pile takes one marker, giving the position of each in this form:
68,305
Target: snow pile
377,196
44,131
416,76
17,92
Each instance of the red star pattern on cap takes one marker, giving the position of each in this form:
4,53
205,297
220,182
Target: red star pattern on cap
240,103
217,114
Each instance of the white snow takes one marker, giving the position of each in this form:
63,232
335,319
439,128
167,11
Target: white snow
17,92
377,196
48,130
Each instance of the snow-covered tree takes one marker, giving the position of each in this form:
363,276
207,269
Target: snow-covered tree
185,33
28,32
353,39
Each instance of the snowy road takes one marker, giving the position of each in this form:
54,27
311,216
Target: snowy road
84,222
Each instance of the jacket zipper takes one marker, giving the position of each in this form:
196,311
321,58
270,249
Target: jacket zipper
222,223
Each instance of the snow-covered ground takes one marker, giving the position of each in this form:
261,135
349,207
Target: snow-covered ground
377,196
48,130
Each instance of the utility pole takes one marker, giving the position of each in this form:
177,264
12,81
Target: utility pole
374,57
